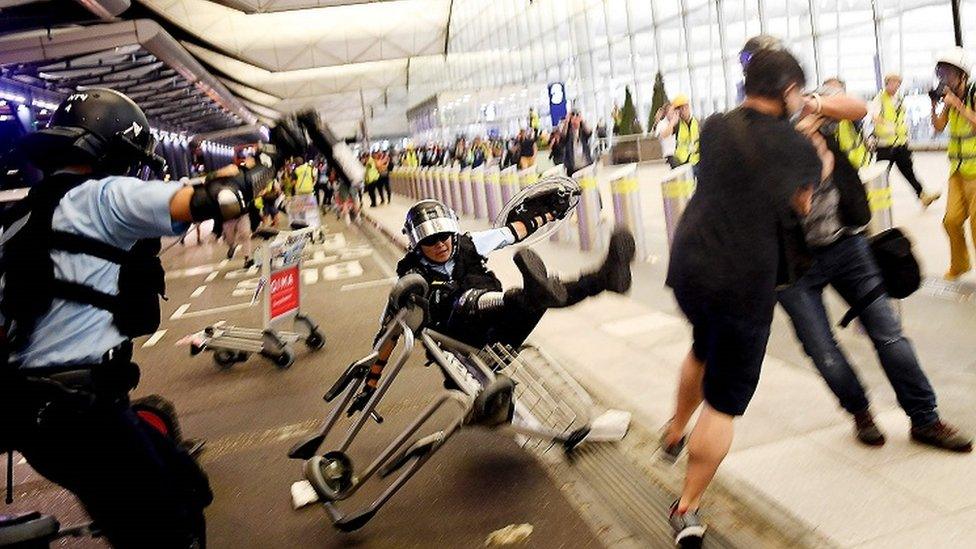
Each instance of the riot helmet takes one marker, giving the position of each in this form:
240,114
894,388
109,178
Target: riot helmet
429,220
98,127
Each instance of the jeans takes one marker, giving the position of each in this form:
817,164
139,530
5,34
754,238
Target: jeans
849,267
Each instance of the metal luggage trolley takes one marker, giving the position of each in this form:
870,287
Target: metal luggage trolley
280,284
490,387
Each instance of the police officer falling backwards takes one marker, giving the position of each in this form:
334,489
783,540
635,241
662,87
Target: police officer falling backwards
466,300
80,280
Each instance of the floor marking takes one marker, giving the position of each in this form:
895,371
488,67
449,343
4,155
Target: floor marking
178,314
196,293
211,277
368,284
216,310
310,276
154,339
384,266
223,263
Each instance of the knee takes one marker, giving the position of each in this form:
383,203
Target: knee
954,220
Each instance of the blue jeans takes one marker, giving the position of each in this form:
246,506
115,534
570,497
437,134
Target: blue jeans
849,267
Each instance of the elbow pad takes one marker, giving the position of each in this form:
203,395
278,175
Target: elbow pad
219,200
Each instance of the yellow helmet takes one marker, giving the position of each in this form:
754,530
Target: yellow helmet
679,100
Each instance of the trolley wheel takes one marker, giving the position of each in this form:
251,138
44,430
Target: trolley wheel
225,358
331,475
285,359
315,340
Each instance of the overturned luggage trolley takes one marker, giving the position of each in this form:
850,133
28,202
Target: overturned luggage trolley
490,387
280,286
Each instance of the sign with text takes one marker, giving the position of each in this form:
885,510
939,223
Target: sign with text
557,102
284,292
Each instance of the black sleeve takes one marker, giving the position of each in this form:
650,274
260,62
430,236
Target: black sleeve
794,163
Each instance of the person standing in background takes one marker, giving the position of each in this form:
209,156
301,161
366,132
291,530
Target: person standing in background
667,119
957,94
887,111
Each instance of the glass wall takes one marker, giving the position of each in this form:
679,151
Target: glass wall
600,48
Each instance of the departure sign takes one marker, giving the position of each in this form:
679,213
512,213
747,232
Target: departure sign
557,102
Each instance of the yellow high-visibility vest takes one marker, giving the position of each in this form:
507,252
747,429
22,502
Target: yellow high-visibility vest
686,142
894,132
304,179
852,143
962,139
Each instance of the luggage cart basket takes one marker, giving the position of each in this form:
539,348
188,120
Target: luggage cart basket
280,289
495,386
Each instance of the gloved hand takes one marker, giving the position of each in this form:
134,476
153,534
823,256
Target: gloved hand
219,199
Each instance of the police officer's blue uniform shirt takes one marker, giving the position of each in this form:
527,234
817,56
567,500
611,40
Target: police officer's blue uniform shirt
484,241
115,210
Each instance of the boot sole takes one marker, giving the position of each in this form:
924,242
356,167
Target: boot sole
622,251
532,267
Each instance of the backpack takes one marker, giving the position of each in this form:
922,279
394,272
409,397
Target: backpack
900,272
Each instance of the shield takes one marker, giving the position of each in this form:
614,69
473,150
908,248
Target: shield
556,193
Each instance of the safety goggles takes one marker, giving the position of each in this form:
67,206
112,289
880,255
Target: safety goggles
435,239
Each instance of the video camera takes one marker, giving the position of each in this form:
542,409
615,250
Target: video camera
939,91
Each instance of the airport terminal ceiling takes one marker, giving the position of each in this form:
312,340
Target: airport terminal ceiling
364,64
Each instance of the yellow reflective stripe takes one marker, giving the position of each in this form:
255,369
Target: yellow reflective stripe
680,188
624,185
586,183
879,199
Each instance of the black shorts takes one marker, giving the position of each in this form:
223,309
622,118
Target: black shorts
732,349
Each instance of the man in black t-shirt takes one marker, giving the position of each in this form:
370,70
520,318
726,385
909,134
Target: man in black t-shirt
756,174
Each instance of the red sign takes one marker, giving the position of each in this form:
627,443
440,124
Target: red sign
284,291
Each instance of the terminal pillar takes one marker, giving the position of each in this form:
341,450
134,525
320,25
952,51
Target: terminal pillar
476,178
464,180
528,177
509,183
588,212
627,207
462,191
677,188
493,204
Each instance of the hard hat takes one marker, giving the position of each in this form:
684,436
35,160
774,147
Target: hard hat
957,57
679,100
428,218
98,127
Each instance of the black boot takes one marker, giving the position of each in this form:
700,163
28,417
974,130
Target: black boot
613,275
615,271
538,290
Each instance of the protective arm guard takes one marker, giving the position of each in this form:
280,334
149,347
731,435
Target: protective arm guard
219,199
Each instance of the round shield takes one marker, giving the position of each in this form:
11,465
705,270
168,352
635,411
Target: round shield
556,193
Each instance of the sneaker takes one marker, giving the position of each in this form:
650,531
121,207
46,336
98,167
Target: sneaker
952,276
686,527
944,436
671,452
615,271
866,430
928,198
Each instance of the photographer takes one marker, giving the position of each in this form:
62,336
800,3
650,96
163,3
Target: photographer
81,278
958,98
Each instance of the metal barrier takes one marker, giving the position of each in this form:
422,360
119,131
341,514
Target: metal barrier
509,183
677,187
627,206
588,212
467,191
476,179
461,201
426,188
528,177
875,178
444,186
493,203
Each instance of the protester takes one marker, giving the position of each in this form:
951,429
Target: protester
757,174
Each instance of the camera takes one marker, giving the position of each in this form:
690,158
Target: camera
938,92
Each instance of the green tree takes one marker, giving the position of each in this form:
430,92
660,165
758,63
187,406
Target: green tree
658,100
629,124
